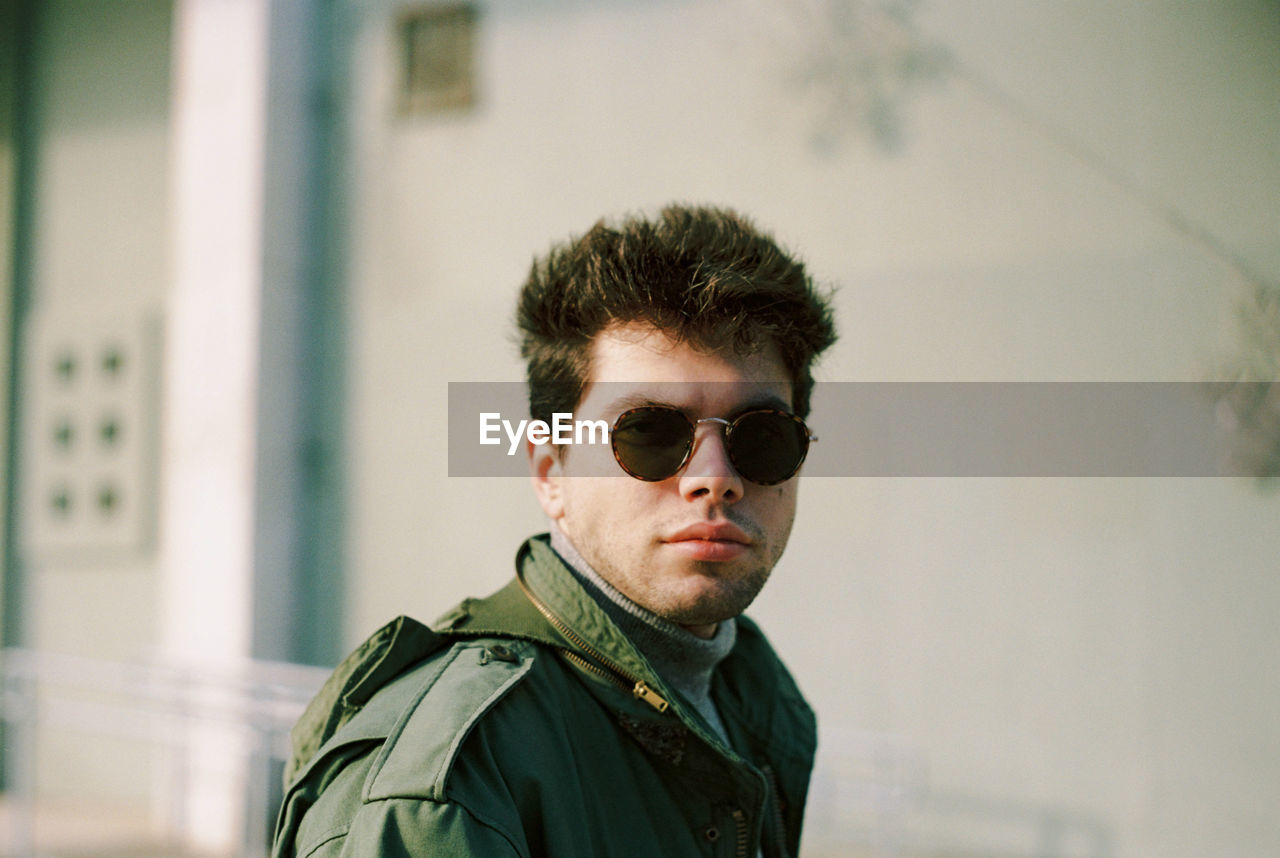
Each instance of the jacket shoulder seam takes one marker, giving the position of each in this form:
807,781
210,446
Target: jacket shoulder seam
386,654
497,827
481,818
326,837
441,717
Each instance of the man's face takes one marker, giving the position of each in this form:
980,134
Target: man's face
696,547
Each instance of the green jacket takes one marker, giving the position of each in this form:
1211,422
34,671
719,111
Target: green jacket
527,725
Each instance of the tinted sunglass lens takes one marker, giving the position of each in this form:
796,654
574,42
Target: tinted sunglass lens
767,446
651,443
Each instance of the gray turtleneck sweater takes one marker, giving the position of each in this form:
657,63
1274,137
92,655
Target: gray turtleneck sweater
683,660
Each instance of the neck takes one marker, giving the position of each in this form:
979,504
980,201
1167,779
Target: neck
704,632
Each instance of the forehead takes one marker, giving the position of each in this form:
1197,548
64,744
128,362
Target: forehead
635,362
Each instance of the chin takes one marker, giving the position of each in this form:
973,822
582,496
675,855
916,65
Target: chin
712,604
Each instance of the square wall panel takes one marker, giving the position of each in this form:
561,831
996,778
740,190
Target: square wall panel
90,419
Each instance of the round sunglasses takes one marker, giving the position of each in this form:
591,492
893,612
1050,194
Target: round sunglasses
765,445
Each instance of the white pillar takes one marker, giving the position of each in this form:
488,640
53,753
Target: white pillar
220,82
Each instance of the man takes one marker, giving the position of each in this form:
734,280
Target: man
610,701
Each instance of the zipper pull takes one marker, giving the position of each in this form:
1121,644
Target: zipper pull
642,691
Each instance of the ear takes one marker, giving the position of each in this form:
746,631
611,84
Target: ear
547,472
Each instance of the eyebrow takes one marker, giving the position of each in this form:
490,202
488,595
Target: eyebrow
635,400
640,400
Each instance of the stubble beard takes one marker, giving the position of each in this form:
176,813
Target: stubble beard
664,595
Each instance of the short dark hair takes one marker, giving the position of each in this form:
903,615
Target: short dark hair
701,275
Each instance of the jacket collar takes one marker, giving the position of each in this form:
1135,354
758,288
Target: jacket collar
755,695
510,613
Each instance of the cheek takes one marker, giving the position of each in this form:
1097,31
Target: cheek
780,509
783,497
593,504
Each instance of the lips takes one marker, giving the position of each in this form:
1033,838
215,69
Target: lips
720,531
716,541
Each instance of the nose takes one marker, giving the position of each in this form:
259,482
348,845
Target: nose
708,473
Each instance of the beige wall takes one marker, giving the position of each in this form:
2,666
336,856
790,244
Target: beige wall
98,263
1089,653
1093,654
95,266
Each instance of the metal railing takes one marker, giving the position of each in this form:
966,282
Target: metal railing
243,713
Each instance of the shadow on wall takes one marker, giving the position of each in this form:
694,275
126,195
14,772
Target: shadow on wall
1252,411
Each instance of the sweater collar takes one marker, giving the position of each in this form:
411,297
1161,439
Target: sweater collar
682,659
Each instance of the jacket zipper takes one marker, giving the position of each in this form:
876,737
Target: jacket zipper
740,823
773,805
591,659
775,811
